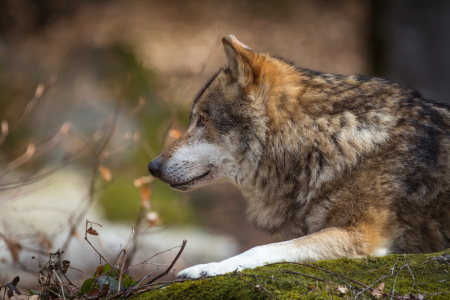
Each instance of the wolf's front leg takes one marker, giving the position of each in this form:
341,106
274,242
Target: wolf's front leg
329,243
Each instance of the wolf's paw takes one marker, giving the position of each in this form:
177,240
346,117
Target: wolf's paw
211,269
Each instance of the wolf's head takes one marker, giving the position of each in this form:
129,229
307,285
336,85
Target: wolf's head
228,124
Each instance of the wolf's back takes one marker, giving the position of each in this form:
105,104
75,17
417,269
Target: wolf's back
351,145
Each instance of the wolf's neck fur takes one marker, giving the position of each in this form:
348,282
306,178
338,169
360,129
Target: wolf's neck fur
315,132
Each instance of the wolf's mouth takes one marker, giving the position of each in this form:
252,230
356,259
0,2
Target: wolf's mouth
179,185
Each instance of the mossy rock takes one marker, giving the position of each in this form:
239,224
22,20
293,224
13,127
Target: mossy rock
416,276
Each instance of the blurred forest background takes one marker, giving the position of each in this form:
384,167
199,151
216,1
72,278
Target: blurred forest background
92,91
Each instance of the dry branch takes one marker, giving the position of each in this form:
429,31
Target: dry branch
123,260
85,237
171,265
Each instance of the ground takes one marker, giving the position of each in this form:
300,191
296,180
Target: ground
405,276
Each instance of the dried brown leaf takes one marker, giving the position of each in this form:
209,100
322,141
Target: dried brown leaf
92,231
104,291
95,291
106,173
65,267
146,194
43,279
143,180
378,292
99,271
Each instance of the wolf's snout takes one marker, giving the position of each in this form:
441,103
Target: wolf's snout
155,167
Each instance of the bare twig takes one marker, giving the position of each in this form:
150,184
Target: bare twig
240,278
323,270
378,280
413,279
29,179
34,150
260,284
62,287
20,160
395,281
146,261
70,282
87,143
432,282
85,237
137,108
134,242
53,292
433,294
301,274
171,265
40,90
136,285
123,260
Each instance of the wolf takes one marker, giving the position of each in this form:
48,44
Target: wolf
342,166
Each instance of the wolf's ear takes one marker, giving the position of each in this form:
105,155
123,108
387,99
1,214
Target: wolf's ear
238,58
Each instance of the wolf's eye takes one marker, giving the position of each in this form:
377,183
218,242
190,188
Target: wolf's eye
201,122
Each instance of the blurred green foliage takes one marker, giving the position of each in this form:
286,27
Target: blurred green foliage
120,199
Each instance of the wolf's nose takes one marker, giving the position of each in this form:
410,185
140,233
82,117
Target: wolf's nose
155,167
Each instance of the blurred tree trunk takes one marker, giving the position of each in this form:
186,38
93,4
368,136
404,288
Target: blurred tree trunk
410,42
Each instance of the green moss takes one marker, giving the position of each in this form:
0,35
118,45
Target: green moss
430,271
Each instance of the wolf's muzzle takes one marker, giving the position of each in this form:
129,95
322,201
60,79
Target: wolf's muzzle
155,167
